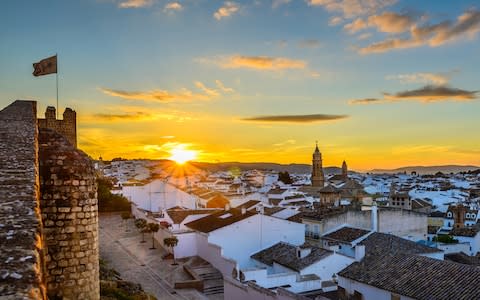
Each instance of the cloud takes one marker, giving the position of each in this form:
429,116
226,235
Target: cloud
157,95
135,3
222,87
296,118
208,91
425,78
264,63
426,94
184,95
355,26
172,7
277,3
433,94
388,22
350,9
229,8
334,21
365,101
138,116
311,43
287,142
466,25
364,36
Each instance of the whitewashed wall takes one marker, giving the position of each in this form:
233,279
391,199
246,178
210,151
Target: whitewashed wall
244,238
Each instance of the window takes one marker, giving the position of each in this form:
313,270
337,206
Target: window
449,215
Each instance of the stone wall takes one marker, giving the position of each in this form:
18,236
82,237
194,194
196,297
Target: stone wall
66,127
69,212
21,264
48,209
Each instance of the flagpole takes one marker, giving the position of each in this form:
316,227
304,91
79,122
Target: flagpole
57,86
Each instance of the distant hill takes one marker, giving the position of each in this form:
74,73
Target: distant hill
447,169
290,168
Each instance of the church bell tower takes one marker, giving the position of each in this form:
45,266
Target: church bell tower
318,180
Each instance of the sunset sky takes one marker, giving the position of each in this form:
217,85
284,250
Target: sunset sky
379,83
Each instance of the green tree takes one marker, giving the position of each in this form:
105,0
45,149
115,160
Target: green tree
171,242
285,177
153,227
141,224
108,201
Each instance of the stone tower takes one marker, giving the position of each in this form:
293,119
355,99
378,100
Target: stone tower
317,179
344,170
459,211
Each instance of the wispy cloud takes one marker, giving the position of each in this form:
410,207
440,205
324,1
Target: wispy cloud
388,22
296,118
311,43
135,3
426,94
164,96
172,7
334,21
277,3
156,95
350,9
138,116
208,91
229,8
467,25
284,143
365,101
425,78
264,63
223,88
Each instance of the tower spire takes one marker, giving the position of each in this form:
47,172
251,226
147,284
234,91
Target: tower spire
318,179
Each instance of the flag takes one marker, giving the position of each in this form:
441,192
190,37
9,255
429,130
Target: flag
45,66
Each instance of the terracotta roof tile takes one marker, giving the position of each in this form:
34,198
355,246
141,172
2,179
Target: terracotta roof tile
346,234
216,221
286,255
418,277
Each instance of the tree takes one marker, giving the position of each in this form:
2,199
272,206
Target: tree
141,224
285,177
125,216
108,201
153,227
171,242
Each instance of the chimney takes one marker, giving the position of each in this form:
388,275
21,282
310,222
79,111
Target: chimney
359,252
374,217
227,206
303,252
244,210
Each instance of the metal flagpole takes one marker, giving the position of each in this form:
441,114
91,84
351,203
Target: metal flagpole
56,55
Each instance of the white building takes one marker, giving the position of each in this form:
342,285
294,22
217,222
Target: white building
227,239
158,195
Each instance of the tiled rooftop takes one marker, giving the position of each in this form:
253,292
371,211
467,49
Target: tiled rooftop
382,243
286,255
178,215
346,234
417,277
215,221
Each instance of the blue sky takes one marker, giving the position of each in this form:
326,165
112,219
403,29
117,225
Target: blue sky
255,80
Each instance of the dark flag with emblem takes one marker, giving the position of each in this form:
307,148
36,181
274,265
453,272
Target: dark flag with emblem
45,66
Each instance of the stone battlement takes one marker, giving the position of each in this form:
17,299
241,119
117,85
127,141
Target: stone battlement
66,127
48,210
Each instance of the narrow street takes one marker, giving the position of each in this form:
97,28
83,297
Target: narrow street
136,262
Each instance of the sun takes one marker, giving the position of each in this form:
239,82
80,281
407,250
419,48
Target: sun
180,155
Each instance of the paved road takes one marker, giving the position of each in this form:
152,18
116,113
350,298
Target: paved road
136,262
